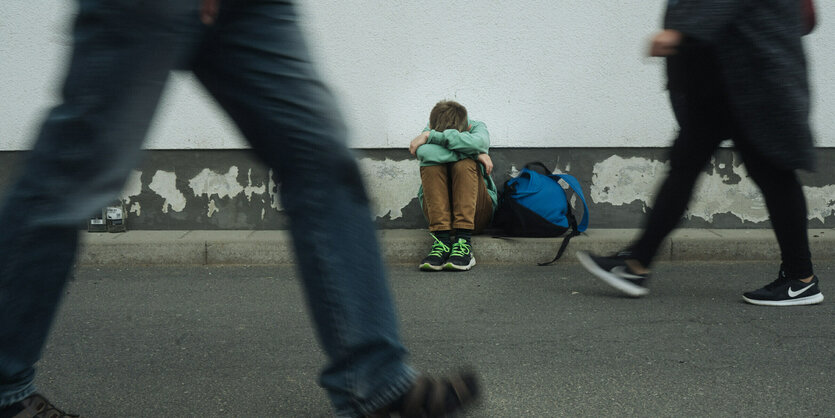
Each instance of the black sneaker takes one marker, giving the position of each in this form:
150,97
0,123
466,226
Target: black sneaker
614,271
437,257
786,292
461,258
34,406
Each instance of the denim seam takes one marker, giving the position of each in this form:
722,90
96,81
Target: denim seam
19,396
394,390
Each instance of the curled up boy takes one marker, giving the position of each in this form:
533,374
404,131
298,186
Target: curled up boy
457,194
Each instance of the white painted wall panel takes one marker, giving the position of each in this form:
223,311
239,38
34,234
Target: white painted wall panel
540,73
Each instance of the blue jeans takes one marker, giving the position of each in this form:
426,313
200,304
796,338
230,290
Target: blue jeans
254,62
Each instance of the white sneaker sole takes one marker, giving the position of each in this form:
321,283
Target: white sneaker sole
453,267
808,300
620,284
429,267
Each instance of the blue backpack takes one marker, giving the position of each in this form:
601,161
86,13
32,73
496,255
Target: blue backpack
535,205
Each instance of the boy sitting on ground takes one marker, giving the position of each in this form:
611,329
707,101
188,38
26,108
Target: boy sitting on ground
457,194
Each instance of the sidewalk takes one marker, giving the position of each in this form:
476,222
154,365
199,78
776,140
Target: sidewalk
408,246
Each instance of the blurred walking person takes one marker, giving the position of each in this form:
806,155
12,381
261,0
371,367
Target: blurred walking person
251,57
736,70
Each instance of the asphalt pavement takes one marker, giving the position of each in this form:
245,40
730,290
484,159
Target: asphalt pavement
236,341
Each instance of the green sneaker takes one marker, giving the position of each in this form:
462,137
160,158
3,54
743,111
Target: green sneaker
437,257
461,257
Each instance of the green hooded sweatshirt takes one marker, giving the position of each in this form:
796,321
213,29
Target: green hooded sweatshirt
452,145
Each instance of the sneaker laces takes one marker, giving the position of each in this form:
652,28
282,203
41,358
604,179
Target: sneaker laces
439,248
460,248
779,281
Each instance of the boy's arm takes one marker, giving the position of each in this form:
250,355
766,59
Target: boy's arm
472,142
487,162
418,141
431,154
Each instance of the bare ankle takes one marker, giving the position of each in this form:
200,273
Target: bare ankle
637,267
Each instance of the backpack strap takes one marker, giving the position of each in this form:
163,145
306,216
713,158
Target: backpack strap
575,185
573,225
572,220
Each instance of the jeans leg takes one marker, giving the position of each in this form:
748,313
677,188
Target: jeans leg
258,68
81,158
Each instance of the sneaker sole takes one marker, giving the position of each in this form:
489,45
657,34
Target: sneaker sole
620,284
453,267
808,300
429,267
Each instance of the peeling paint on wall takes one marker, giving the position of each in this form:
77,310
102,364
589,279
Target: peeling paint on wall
212,208
133,187
714,195
211,183
164,184
820,201
249,190
391,184
136,208
275,199
620,181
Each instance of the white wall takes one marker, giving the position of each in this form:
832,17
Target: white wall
540,73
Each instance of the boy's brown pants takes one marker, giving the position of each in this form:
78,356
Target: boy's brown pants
455,196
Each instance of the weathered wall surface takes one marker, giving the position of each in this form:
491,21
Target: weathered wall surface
533,70
231,190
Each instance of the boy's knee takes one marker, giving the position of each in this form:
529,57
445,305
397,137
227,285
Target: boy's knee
465,166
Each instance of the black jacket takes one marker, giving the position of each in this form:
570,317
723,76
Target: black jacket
758,47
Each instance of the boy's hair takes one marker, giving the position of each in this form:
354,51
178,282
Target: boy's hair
448,114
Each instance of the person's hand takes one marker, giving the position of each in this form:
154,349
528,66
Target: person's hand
208,11
485,160
665,43
418,141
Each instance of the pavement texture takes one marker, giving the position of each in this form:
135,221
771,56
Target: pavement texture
236,341
410,246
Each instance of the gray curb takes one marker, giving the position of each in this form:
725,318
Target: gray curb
409,246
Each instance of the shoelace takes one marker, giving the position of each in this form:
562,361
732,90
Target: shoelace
439,248
460,248
781,279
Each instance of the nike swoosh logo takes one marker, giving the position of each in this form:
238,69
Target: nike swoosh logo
793,294
620,271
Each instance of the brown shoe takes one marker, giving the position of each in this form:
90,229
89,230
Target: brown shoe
36,406
433,398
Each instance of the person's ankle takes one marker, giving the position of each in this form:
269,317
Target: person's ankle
466,234
637,267
808,279
443,236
